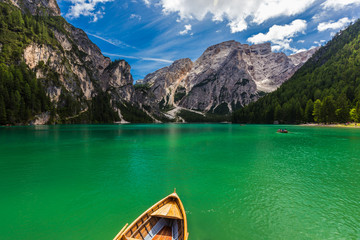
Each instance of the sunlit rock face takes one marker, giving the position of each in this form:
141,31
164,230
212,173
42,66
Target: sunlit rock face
164,82
79,66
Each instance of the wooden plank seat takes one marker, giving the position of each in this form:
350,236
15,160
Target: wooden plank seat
164,234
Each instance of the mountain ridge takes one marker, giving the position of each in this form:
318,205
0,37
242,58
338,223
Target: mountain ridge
226,76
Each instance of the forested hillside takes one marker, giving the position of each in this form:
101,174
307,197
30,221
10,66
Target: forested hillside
21,94
326,89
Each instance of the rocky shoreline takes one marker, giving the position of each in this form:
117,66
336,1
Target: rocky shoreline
340,125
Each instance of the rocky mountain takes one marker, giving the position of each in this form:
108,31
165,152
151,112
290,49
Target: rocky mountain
225,77
82,84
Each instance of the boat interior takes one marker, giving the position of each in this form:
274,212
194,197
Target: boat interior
163,222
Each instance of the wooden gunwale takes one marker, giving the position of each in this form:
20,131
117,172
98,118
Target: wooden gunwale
121,231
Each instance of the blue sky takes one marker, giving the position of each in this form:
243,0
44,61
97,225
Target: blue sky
150,34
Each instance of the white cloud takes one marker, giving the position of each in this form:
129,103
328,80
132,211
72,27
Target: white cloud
319,43
157,60
186,30
140,58
301,41
270,9
135,16
301,50
275,48
340,24
86,8
280,36
338,4
283,45
239,13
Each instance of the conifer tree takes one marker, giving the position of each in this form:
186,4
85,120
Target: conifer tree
328,109
309,109
355,113
2,111
317,111
343,110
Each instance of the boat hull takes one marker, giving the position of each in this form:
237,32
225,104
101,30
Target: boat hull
166,218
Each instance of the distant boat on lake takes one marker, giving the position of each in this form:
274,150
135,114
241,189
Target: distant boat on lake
166,220
282,131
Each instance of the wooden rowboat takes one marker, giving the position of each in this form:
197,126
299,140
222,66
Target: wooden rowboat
166,220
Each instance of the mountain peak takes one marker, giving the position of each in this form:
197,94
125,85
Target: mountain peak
262,48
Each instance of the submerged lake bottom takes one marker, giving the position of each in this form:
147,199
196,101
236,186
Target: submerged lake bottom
236,182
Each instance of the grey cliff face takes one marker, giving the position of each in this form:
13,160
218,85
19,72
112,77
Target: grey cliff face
78,65
300,58
117,79
226,76
164,82
93,55
219,82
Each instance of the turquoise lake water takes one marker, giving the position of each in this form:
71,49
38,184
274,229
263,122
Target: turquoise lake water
236,182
